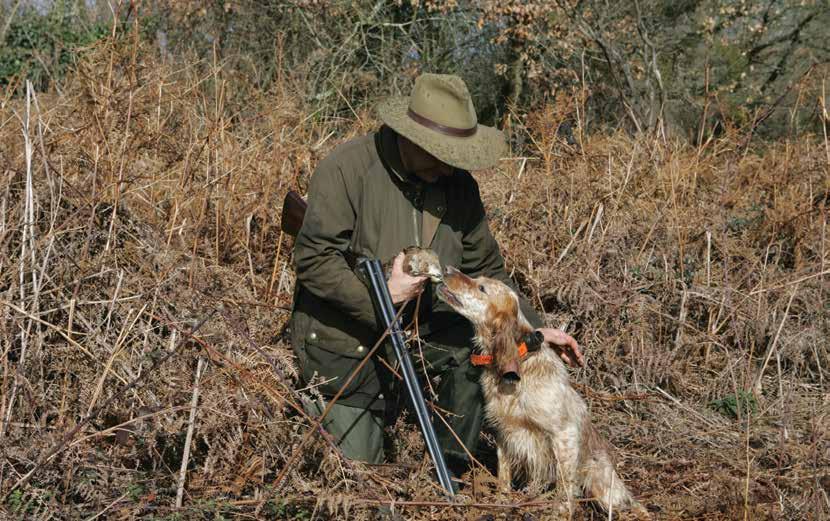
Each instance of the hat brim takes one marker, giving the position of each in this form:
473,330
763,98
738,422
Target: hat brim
479,151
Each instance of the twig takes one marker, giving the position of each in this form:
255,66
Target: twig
189,438
757,386
681,320
573,239
27,240
9,21
115,351
114,297
708,259
596,222
99,514
825,116
276,263
417,338
684,406
119,187
59,331
820,274
120,426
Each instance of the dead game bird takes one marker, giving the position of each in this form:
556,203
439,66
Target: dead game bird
419,262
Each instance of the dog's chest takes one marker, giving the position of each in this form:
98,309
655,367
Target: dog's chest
512,408
523,429
539,403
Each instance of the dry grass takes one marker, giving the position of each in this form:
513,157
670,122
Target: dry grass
139,235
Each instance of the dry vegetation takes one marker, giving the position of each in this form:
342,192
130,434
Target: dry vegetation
142,270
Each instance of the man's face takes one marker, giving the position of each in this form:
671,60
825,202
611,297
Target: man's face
421,163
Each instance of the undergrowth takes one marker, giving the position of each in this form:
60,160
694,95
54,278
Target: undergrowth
142,269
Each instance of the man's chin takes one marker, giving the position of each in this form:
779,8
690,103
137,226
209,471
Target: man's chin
430,176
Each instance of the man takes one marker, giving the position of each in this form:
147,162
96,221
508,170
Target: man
407,184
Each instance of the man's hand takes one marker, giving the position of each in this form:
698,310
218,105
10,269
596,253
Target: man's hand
403,287
564,344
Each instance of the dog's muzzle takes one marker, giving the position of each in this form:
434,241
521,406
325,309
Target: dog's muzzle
510,372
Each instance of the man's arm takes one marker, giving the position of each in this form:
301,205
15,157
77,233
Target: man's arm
323,240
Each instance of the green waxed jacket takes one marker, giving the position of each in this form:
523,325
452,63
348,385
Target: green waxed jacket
361,199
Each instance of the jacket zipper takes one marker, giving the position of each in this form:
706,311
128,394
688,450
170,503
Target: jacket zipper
416,202
415,226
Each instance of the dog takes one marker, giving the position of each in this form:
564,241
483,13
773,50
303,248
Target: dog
542,424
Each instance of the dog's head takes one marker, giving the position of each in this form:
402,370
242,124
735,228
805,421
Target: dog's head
493,308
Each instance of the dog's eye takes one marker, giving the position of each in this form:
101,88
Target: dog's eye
482,289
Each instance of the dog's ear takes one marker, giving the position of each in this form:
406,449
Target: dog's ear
504,330
504,315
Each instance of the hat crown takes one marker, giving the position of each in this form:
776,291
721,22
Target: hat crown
443,99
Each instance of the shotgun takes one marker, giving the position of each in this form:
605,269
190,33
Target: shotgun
379,291
293,212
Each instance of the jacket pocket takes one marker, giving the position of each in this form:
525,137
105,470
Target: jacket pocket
329,347
334,341
333,359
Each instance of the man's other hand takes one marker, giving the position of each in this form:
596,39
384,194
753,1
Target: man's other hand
403,287
564,344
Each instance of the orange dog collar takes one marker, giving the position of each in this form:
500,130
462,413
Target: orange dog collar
478,360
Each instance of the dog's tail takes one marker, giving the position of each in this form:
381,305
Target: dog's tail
600,480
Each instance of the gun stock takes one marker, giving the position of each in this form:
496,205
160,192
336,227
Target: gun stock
293,213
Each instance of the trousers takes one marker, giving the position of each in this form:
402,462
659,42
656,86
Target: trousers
359,431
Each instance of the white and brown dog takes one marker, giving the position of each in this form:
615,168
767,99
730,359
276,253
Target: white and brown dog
543,427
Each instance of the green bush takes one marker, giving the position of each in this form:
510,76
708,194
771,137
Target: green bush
41,46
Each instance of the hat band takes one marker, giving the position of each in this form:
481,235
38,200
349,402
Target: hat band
442,129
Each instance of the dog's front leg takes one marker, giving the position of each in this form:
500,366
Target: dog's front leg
505,473
566,447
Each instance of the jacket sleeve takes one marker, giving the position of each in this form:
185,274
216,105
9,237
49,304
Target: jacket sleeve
482,255
323,240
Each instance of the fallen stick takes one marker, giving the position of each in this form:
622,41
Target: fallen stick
189,438
757,387
439,504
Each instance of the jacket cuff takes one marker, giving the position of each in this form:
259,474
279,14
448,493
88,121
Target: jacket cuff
355,300
530,313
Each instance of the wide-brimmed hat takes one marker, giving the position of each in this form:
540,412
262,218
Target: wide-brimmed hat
440,118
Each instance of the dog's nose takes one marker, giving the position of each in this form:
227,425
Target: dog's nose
435,274
510,372
510,377
450,270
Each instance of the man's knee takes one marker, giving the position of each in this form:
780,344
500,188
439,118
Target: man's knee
358,432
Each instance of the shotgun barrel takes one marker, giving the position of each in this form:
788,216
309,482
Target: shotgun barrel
293,213
383,304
